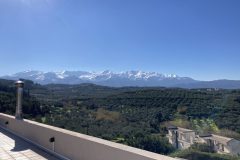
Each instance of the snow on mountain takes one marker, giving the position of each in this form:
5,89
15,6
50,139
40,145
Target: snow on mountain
109,78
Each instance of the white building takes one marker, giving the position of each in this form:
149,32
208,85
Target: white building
182,138
223,144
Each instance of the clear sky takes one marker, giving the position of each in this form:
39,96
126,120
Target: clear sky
195,38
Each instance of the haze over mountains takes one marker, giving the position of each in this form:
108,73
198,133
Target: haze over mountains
121,79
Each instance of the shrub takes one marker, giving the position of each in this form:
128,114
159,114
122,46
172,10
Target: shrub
202,148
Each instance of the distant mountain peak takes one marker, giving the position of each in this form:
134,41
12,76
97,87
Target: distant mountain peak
107,77
120,79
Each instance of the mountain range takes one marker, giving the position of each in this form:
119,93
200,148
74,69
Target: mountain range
121,79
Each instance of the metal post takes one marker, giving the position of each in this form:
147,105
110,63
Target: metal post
19,85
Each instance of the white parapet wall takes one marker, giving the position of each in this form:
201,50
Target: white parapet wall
72,145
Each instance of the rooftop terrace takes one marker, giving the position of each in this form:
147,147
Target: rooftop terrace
25,139
15,148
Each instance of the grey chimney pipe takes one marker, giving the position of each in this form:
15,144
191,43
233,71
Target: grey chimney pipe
19,85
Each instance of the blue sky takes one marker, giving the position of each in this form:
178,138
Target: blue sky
195,38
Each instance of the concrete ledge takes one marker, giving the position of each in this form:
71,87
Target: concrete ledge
74,145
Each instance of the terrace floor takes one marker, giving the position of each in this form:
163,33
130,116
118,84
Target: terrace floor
15,148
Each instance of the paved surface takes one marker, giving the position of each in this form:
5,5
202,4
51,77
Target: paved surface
14,148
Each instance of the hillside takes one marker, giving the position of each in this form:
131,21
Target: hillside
134,116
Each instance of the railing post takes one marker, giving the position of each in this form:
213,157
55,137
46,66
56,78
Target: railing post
19,86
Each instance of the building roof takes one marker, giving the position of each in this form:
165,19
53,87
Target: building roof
221,139
185,130
205,135
172,127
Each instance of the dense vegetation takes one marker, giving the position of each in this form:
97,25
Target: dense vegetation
134,116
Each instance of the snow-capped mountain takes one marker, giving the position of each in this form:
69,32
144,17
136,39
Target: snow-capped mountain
108,78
